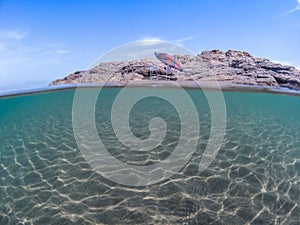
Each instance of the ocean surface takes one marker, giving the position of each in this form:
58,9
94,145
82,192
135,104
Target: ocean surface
254,178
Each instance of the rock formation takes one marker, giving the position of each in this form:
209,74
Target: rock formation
234,67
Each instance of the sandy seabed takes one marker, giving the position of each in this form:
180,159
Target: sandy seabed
44,179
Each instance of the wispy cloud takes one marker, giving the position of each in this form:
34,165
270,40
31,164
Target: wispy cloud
12,35
14,43
20,59
149,41
297,8
185,39
58,52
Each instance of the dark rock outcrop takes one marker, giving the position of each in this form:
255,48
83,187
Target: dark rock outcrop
234,67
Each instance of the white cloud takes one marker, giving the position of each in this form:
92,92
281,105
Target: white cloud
182,40
12,35
146,41
58,52
22,61
297,8
149,41
15,44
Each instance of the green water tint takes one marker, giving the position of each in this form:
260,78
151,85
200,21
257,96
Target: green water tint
254,179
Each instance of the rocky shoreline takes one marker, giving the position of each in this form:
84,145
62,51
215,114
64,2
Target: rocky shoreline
231,67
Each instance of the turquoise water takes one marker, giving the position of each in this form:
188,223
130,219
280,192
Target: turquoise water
254,179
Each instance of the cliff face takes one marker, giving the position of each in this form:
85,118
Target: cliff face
232,66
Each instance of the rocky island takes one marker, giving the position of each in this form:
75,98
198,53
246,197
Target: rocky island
231,67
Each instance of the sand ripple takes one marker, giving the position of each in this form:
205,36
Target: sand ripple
254,179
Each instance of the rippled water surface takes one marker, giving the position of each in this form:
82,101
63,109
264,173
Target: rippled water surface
254,179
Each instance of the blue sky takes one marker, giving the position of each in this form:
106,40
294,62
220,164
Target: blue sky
44,40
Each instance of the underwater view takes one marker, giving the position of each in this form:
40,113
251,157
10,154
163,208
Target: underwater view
45,178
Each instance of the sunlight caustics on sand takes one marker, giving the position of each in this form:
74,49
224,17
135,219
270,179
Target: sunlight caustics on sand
255,177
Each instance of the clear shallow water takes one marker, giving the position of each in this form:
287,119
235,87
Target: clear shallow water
254,179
